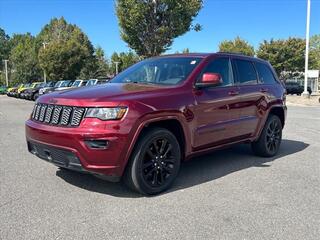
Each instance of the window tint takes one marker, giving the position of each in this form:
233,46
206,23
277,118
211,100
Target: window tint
264,72
246,72
223,67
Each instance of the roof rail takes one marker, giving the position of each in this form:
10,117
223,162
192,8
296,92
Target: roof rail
234,53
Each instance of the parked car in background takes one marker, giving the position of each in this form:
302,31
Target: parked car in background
3,90
50,85
11,91
33,93
60,85
158,113
19,90
16,92
79,83
92,82
34,85
296,88
65,85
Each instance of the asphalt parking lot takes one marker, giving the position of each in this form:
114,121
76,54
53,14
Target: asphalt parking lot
228,194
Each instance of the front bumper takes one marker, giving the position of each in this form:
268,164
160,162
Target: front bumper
71,143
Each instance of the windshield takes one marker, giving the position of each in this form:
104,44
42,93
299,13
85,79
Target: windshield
58,83
26,85
164,71
65,83
91,82
76,83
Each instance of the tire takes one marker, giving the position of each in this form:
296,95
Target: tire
269,141
35,96
154,163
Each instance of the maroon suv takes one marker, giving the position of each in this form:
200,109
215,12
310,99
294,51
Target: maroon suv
158,113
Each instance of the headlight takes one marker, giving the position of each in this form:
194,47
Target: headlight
106,113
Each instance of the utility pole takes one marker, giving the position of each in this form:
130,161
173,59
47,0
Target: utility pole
117,63
6,69
44,71
306,66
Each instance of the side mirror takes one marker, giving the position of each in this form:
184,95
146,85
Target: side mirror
209,80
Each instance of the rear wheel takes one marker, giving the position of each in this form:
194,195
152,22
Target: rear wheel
155,162
270,139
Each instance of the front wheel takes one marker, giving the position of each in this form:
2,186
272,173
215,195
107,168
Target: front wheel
270,139
154,163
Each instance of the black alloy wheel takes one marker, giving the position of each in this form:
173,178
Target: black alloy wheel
268,143
154,163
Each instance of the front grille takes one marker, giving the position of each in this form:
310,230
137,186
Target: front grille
58,115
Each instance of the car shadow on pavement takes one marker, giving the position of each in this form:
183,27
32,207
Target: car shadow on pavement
198,170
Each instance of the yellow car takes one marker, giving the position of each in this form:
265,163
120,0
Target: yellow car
11,91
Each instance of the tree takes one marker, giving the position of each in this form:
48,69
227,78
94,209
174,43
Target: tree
4,50
315,52
284,55
125,60
237,45
150,26
23,58
67,50
96,67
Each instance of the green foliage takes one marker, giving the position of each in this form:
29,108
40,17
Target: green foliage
23,58
4,45
284,55
237,45
315,52
95,67
4,52
150,26
125,60
67,50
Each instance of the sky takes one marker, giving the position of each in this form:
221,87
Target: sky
253,20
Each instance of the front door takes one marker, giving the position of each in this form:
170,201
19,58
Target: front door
216,108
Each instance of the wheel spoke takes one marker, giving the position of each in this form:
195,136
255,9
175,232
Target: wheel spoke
147,164
168,150
163,145
155,178
154,143
150,153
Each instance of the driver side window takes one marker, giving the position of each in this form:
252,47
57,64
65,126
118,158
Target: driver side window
223,67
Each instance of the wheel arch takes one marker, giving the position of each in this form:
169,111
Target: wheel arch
172,123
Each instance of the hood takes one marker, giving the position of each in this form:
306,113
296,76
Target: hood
93,95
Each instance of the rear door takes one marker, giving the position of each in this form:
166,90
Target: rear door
252,95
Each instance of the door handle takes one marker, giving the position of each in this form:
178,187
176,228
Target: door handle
263,90
233,93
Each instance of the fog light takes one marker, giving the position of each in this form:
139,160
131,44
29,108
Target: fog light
97,144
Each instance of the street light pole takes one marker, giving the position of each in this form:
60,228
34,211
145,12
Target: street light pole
6,68
117,63
44,71
306,66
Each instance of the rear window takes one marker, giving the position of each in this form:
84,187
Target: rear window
246,72
265,74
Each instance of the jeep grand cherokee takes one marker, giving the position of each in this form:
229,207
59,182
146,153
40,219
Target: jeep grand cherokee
158,113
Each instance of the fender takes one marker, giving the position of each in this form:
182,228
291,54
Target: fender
151,118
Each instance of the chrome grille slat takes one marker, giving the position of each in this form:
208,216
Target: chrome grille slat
42,112
58,115
65,116
37,112
77,116
49,114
